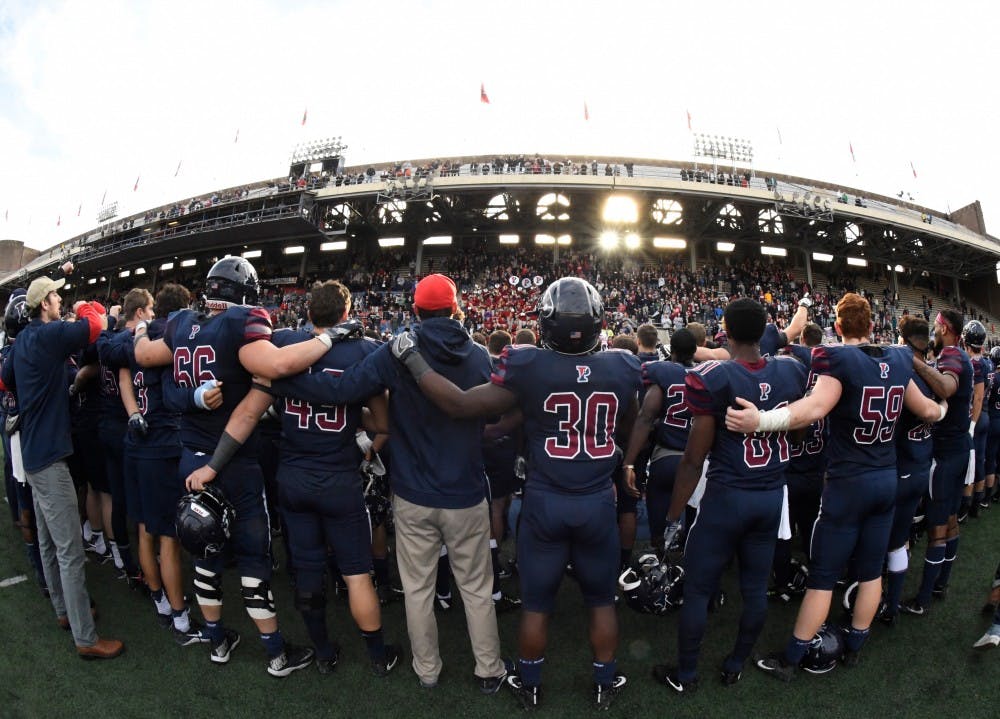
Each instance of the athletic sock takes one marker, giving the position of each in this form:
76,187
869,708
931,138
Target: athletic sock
796,649
125,551
88,531
161,601
35,559
495,558
932,568
274,643
854,638
950,552
375,643
604,672
315,621
100,546
894,591
182,621
214,630
977,497
530,671
116,553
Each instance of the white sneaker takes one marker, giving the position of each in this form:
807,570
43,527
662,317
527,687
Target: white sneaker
988,640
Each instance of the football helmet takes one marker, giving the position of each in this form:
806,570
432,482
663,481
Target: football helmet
570,316
974,334
15,317
651,587
377,493
203,521
825,650
995,356
231,281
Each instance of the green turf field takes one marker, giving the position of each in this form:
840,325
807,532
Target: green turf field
923,668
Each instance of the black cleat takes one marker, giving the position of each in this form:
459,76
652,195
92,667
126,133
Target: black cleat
222,651
491,685
529,697
291,659
667,675
777,666
940,592
506,603
392,657
914,607
604,695
850,658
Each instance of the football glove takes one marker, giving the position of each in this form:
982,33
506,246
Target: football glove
137,424
806,301
406,349
670,531
345,330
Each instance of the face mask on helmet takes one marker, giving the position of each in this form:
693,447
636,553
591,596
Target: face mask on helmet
203,521
570,316
231,281
651,587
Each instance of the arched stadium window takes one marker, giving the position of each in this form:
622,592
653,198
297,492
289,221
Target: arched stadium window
821,232
769,221
852,235
553,207
729,218
667,212
337,217
433,214
392,212
500,207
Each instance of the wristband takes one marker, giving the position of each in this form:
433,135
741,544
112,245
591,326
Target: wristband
417,366
944,410
199,393
140,332
630,466
774,420
227,447
325,340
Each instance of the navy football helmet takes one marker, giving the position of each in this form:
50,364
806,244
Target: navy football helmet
825,650
15,317
231,281
974,334
203,521
995,356
377,492
570,316
652,587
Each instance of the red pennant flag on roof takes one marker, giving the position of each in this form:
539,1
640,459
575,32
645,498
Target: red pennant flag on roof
177,171
689,118
483,97
586,113
59,221
136,185
79,209
305,115
913,169
851,146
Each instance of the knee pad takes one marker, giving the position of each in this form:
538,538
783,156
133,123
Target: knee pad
257,598
207,587
898,560
306,601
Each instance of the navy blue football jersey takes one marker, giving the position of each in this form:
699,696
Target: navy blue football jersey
863,422
320,438
674,423
205,348
745,461
112,355
808,456
163,438
499,455
8,399
772,340
914,448
992,400
572,405
951,434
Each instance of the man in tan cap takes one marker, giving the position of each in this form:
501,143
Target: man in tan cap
37,371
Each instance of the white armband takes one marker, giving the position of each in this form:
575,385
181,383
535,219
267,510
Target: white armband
325,340
774,420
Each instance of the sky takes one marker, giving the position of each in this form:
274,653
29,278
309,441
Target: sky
150,102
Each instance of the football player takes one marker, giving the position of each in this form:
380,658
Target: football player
771,341
575,403
664,415
951,379
321,496
740,511
223,348
993,442
862,388
973,339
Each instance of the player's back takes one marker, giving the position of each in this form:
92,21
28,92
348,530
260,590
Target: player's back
572,405
754,461
674,418
320,438
206,347
873,383
952,433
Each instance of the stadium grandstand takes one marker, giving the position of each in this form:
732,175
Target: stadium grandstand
665,242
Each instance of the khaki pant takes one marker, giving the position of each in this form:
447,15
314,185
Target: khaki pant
420,532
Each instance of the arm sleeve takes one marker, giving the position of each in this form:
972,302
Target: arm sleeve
950,360
697,395
113,349
175,397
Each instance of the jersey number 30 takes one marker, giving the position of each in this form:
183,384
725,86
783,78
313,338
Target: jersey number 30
586,425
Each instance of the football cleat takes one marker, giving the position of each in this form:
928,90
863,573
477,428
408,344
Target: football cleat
222,651
491,685
388,663
604,695
914,607
777,666
667,676
292,658
194,635
506,603
940,592
730,678
529,697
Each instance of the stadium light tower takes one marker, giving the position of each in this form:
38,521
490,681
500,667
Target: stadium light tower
329,151
733,150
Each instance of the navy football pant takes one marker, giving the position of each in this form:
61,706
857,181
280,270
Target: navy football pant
250,536
854,522
992,445
659,489
910,488
946,485
730,522
556,529
112,439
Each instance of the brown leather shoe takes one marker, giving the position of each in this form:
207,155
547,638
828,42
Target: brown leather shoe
63,621
104,649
